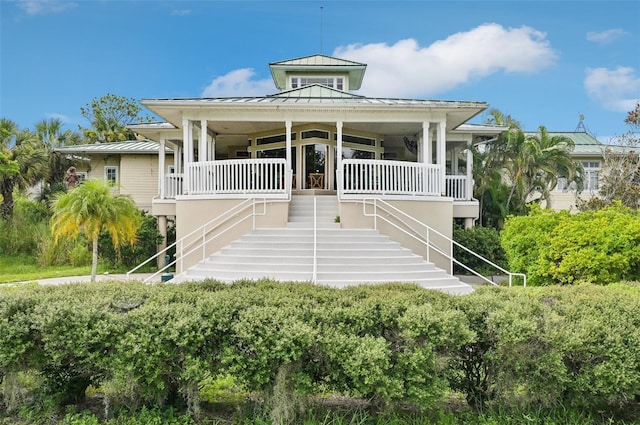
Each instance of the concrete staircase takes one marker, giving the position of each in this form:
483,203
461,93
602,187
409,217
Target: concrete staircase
345,257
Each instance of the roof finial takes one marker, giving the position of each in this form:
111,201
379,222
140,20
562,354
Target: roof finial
581,125
321,7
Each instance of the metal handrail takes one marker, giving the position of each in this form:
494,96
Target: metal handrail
315,241
223,218
426,239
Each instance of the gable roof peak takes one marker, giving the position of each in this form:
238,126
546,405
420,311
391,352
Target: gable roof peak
317,60
317,64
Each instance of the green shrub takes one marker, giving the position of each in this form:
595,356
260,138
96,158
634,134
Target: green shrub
543,347
484,241
20,234
141,345
596,246
147,240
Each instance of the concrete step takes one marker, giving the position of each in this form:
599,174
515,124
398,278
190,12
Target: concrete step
320,238
381,276
321,245
344,257
230,276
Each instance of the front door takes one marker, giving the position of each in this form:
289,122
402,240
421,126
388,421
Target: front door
315,166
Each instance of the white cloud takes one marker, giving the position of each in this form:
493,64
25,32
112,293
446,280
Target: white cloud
45,7
606,37
406,69
409,70
181,12
238,83
63,118
617,89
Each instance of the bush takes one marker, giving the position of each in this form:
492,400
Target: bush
596,246
484,241
147,240
21,234
141,345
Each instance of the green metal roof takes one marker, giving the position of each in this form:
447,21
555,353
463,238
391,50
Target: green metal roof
318,64
131,147
316,91
585,144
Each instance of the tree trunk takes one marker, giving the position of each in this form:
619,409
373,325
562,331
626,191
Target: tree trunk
6,209
94,262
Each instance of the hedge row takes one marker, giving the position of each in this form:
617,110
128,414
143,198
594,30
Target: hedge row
141,345
561,248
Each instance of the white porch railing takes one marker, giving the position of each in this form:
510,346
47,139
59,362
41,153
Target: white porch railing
173,185
361,176
366,176
456,187
239,176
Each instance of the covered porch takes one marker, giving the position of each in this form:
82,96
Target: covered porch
294,158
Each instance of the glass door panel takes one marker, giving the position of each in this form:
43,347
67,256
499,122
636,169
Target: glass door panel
315,159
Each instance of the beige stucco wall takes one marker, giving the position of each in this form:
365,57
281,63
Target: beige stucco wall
139,178
138,175
436,213
566,201
192,214
466,209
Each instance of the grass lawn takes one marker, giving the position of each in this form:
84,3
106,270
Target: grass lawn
24,268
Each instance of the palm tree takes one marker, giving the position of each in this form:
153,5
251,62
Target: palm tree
553,161
512,168
51,135
497,117
91,208
23,148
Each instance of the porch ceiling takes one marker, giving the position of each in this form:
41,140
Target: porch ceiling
247,127
235,116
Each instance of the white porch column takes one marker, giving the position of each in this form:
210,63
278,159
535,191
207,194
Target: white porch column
288,169
203,153
469,172
442,153
161,167
426,144
187,135
177,158
339,172
162,228
212,148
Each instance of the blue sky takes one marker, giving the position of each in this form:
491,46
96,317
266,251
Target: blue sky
542,62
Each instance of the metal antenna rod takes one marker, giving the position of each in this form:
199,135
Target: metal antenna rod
321,29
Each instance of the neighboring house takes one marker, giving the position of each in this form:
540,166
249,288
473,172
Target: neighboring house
253,155
132,166
589,153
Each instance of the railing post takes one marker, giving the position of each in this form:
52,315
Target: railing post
181,256
428,244
375,213
204,242
451,256
315,244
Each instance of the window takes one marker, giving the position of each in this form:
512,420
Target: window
346,138
171,169
274,139
318,134
111,174
333,82
591,175
82,176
